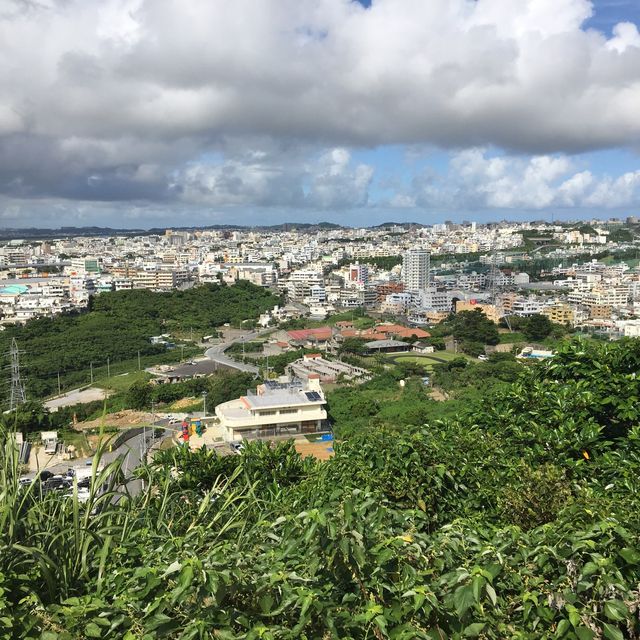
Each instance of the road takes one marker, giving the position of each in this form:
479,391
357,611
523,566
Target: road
216,353
131,451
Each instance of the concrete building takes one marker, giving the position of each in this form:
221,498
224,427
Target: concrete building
415,270
559,313
359,273
276,408
315,365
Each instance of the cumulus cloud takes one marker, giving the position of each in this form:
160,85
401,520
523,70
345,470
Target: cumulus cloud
121,99
278,177
477,179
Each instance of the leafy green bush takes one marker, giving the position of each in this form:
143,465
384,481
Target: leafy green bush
518,519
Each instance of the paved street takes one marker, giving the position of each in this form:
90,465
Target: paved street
216,353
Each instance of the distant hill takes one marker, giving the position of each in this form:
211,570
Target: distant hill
35,233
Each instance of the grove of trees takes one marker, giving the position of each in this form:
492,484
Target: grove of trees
118,326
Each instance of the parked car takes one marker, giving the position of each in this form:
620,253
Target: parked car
57,483
483,357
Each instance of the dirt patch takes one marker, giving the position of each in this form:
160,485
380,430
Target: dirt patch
439,395
119,419
322,450
185,403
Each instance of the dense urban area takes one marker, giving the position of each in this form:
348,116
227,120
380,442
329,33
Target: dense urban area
397,432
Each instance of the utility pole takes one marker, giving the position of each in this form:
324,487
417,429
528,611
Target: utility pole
18,395
91,371
108,367
204,404
181,352
242,349
138,360
59,391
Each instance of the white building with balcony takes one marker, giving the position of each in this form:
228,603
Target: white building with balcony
275,409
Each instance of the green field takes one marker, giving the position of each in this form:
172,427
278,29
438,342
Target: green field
514,336
428,360
122,381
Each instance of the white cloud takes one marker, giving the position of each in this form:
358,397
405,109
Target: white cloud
445,71
121,99
282,177
479,180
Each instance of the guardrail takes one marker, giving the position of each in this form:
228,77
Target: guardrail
124,436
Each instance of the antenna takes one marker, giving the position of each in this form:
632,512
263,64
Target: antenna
18,395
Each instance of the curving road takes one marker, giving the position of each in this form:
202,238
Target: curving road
216,353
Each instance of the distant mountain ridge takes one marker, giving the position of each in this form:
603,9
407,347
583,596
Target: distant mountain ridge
44,233
37,233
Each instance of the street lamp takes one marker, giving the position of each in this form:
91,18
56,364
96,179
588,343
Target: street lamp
204,404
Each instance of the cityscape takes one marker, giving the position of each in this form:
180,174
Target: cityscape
319,320
580,274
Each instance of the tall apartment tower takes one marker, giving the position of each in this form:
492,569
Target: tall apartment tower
415,269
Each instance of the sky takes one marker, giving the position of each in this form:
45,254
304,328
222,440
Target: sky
155,113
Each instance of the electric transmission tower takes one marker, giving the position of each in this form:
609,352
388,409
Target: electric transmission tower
18,395
493,275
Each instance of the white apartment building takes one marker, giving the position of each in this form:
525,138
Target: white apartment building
359,273
432,299
301,281
276,408
415,269
612,295
526,307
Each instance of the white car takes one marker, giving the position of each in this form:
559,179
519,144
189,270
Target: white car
483,357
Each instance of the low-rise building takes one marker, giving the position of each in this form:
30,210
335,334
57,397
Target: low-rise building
276,408
559,313
314,365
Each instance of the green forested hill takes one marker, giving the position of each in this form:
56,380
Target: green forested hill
519,520
118,325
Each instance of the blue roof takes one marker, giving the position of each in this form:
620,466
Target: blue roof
13,289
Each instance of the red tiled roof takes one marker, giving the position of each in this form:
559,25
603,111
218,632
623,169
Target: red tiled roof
411,331
321,333
402,332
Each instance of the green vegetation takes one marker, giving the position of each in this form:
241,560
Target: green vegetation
621,235
472,329
515,518
358,316
118,326
386,263
122,382
221,387
427,361
253,346
512,337
535,327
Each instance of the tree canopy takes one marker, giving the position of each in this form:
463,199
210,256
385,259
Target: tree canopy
119,325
